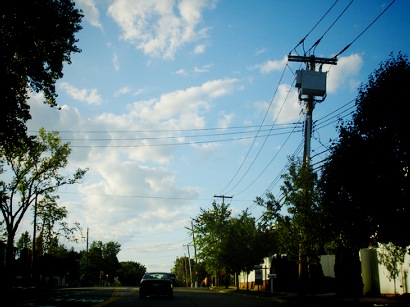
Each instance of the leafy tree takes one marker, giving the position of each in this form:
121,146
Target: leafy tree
365,180
48,215
297,232
392,257
33,169
36,38
211,227
228,243
181,270
101,263
131,273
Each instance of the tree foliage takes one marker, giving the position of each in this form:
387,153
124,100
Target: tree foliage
131,273
392,257
365,181
100,264
227,243
36,38
50,222
29,171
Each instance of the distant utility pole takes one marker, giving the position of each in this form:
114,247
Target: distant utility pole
312,89
223,197
189,262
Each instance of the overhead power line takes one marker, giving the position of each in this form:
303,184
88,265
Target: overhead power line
311,30
367,28
328,29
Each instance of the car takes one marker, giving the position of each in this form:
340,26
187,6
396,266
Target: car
156,284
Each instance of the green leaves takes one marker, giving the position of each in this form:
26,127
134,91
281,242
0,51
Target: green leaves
228,243
36,38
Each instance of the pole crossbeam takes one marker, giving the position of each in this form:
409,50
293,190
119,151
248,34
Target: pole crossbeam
223,197
312,58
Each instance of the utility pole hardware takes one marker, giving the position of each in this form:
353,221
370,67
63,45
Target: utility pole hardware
312,88
223,197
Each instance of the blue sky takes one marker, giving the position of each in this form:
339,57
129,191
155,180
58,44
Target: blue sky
172,102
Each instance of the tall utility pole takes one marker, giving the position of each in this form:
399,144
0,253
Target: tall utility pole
312,89
189,262
223,197
86,255
196,259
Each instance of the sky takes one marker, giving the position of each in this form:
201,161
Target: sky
171,104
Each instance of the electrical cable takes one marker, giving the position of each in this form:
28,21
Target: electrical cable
263,144
263,120
328,29
320,20
361,33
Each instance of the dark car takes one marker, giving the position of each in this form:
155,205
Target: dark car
156,284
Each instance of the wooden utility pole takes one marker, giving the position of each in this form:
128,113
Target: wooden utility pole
189,262
223,197
312,89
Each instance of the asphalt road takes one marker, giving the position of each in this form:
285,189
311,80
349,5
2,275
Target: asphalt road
114,297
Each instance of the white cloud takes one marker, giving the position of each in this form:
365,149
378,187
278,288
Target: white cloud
343,74
202,69
199,49
270,66
285,107
122,91
90,11
226,120
181,72
89,96
116,61
260,51
158,27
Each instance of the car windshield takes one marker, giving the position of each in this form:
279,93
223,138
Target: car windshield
156,276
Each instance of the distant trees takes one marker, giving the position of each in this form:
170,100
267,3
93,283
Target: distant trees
182,270
100,265
131,273
36,38
226,243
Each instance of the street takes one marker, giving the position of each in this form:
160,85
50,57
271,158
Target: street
124,296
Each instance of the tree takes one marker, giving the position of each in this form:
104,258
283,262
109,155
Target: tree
36,38
298,233
232,244
33,170
211,227
131,273
101,264
49,215
392,257
181,270
365,180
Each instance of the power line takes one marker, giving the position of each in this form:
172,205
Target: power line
260,149
361,33
264,118
320,20
328,29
